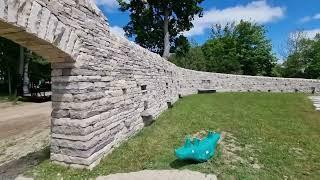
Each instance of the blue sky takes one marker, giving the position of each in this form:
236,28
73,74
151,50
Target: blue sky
281,17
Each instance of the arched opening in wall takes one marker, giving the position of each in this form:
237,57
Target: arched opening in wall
25,94
25,103
24,75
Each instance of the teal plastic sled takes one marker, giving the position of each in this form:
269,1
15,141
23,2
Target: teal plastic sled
199,150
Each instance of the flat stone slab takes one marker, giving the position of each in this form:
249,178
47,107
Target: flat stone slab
316,102
23,178
160,175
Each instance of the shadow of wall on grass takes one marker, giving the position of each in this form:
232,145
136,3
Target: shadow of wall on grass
17,167
178,164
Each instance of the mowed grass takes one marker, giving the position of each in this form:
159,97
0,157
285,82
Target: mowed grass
268,136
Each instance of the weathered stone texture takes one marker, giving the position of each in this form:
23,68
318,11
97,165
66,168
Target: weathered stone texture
104,86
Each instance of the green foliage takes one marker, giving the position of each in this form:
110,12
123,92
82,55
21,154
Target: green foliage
234,49
279,132
313,70
39,68
294,68
239,49
147,18
313,57
254,49
303,60
9,63
193,59
221,51
182,46
278,70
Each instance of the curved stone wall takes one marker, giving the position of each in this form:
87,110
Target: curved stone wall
106,88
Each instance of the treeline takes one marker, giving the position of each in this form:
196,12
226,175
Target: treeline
244,49
20,69
234,49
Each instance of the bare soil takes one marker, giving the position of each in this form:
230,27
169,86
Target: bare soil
24,134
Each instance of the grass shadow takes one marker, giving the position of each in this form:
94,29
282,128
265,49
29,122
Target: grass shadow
177,164
16,167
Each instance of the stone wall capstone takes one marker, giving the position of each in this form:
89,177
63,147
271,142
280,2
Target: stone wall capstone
106,88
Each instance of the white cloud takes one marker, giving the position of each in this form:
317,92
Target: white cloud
317,16
310,18
109,4
311,33
117,30
257,11
305,19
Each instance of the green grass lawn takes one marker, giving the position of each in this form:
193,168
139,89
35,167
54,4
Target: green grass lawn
268,136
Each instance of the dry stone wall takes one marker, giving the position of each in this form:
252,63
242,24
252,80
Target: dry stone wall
106,88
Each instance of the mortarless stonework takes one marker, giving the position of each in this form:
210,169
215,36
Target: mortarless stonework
102,84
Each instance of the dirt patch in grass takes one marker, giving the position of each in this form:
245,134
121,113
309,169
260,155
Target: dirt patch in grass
232,150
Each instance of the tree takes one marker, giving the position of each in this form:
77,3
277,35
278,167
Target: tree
220,51
189,56
18,65
295,43
155,24
278,70
239,49
26,79
303,56
9,64
313,57
182,46
254,50
293,66
297,49
39,68
194,59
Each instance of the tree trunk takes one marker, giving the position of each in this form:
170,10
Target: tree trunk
26,80
9,81
166,51
21,63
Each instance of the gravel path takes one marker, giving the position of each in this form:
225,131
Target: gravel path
24,132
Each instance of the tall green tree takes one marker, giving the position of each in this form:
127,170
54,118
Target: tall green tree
303,57
312,55
254,50
299,53
155,24
221,50
9,64
239,49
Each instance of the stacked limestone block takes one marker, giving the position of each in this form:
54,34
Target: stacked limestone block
105,87
240,83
